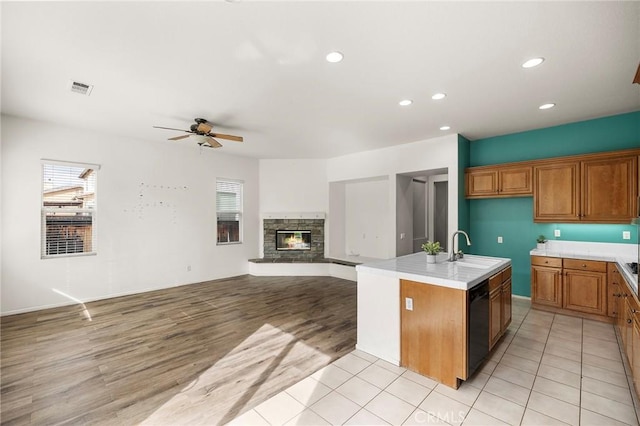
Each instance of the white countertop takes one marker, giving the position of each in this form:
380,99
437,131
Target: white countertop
621,254
414,267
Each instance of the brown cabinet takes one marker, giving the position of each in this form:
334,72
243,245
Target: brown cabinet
433,334
627,323
499,305
434,331
556,192
614,291
546,281
585,286
499,181
589,188
595,189
572,286
506,303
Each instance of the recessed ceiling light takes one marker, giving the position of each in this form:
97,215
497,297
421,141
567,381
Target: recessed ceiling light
334,57
534,62
445,127
405,102
546,106
438,96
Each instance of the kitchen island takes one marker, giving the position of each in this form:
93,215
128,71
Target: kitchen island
417,315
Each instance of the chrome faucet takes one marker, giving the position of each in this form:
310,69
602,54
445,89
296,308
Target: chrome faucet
455,256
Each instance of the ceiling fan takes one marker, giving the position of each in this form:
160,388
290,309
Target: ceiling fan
202,128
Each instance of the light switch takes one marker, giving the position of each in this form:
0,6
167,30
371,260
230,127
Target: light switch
626,235
499,240
402,235
408,303
556,233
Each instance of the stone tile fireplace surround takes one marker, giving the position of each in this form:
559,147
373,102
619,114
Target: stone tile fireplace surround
315,225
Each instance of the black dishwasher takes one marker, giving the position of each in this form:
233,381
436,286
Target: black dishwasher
478,315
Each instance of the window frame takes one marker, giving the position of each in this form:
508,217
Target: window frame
48,209
239,213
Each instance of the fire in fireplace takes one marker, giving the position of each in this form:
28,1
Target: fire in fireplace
293,240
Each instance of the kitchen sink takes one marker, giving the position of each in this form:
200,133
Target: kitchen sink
477,262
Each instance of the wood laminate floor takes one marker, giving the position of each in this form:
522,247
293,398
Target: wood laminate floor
195,354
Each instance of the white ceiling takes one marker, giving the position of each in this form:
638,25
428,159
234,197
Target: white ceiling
258,69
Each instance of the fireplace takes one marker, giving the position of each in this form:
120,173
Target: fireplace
293,240
296,240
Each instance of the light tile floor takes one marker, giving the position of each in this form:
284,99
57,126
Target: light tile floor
548,369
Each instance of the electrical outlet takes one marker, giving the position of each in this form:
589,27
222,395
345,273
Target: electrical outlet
556,233
408,303
499,240
626,235
188,268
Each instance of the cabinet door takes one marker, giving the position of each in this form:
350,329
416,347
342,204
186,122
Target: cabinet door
635,353
482,183
585,291
437,314
506,304
546,285
609,190
515,181
556,192
495,316
613,291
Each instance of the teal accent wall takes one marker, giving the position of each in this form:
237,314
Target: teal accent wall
512,218
599,135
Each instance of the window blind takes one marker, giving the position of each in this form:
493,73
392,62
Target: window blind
68,210
229,211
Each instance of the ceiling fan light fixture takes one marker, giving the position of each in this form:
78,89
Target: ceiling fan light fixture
405,102
438,96
334,57
533,62
445,128
546,106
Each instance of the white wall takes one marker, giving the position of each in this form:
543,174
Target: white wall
431,154
366,233
156,216
293,186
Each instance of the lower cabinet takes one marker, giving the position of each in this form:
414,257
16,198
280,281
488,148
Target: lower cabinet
572,286
585,289
499,305
546,281
627,323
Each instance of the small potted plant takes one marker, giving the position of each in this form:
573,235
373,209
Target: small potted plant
541,240
432,249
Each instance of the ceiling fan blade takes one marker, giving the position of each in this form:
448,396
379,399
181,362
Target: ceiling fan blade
177,138
204,127
171,128
636,79
228,137
214,143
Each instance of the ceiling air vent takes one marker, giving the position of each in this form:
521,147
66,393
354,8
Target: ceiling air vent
80,88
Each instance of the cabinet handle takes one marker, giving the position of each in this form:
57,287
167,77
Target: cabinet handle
628,321
633,311
584,266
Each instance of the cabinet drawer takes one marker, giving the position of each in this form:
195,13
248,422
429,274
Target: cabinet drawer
585,265
552,262
495,281
506,274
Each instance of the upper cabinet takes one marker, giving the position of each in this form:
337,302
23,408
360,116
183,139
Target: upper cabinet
591,188
499,181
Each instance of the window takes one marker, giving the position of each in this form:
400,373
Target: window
229,211
68,209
